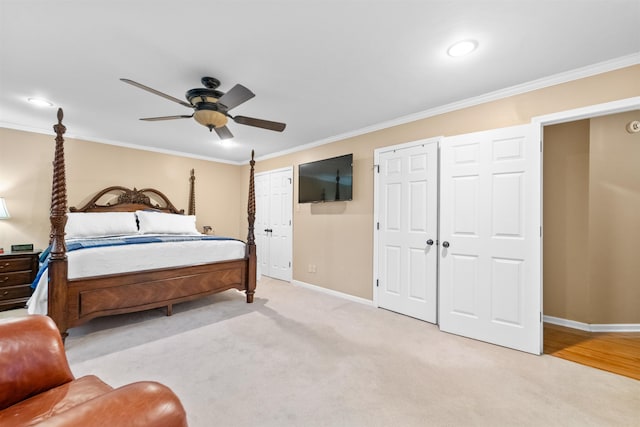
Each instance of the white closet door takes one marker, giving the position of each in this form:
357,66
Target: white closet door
490,237
281,206
273,225
407,212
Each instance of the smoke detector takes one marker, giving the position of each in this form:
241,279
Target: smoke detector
633,126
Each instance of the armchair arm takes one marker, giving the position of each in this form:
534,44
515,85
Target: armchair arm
143,403
32,358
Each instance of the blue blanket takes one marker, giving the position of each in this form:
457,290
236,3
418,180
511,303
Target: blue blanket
78,244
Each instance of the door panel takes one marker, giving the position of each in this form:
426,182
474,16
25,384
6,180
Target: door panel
490,217
407,265
464,282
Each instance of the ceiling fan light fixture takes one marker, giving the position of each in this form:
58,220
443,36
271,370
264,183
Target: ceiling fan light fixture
211,107
210,118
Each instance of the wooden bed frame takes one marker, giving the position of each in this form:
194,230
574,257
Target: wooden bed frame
73,302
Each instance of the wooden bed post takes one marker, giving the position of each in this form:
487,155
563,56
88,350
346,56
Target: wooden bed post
251,240
192,193
57,290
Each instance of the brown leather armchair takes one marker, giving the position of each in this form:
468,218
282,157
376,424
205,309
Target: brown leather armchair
38,388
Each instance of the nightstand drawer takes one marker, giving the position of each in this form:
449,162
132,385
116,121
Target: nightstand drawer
15,264
11,279
17,271
14,292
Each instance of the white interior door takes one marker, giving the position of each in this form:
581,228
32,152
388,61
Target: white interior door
407,230
273,225
281,206
490,237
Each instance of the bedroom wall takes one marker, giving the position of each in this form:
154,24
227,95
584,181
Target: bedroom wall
338,237
25,182
566,221
614,220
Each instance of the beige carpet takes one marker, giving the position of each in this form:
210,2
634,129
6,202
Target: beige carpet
297,357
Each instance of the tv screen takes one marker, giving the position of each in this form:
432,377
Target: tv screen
327,180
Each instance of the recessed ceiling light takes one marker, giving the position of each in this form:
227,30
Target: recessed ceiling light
462,48
40,102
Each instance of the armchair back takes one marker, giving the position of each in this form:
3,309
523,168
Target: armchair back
32,358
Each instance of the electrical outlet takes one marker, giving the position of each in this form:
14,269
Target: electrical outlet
312,268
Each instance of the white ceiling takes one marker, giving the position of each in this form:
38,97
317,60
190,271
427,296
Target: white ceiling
325,67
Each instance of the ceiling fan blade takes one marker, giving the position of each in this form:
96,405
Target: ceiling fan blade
259,123
224,132
155,92
155,119
236,96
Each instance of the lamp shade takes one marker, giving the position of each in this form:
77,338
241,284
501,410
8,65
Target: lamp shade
4,212
210,119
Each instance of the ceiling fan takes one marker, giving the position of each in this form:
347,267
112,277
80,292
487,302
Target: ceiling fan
212,107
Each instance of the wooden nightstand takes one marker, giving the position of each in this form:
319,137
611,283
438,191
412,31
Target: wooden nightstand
17,271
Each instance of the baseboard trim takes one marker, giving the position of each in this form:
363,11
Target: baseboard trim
593,327
332,292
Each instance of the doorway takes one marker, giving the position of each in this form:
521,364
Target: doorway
591,204
591,200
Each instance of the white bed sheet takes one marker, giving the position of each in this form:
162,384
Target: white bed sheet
120,259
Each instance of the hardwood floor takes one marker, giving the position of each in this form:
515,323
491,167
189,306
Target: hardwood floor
617,352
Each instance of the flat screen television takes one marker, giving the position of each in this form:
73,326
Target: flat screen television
328,180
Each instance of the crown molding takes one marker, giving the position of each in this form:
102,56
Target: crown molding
41,131
576,74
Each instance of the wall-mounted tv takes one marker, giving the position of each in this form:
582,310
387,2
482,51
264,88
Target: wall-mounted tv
327,180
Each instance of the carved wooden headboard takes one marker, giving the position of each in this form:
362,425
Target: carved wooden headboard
123,199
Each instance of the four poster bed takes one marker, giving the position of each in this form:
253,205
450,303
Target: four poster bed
72,300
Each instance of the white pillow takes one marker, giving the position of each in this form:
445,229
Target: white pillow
150,222
100,224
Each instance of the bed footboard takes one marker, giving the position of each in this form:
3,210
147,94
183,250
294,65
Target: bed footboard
93,297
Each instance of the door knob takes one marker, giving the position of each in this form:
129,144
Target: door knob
429,242
445,244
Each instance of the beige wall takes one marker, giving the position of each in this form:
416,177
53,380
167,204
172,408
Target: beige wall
566,221
592,220
614,220
338,238
335,237
25,182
